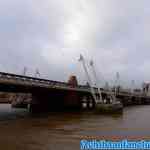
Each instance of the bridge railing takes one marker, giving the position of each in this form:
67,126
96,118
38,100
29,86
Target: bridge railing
9,76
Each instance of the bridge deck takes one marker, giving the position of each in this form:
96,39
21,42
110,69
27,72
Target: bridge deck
13,80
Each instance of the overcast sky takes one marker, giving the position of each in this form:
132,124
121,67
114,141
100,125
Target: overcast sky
50,35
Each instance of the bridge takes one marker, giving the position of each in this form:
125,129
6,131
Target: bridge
56,95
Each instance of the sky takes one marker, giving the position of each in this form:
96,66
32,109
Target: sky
51,34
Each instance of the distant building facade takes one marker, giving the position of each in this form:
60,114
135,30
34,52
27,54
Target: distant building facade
146,88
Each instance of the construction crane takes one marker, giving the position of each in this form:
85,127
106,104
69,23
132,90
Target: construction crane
96,79
81,59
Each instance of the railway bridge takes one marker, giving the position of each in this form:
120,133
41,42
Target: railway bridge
55,95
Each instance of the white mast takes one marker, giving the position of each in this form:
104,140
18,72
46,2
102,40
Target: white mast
117,82
96,79
81,59
24,71
37,73
132,86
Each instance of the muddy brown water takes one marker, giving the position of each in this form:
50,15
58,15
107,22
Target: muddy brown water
19,130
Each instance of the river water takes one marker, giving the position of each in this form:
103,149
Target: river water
19,130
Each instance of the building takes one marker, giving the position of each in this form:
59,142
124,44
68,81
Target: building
146,88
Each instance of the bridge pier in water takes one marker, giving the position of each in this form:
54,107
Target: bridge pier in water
54,101
43,102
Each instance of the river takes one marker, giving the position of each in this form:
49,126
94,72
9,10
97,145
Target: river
19,130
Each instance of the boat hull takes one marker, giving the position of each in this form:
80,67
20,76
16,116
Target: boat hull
109,108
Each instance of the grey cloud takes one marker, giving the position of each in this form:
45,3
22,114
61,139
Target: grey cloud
51,34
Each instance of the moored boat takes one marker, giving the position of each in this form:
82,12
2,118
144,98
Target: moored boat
115,107
15,104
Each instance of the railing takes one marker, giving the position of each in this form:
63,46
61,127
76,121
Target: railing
20,79
10,76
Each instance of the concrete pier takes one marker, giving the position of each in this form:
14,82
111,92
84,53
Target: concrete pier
54,100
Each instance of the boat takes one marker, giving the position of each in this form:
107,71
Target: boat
113,108
19,105
20,101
